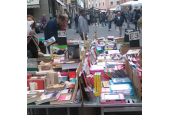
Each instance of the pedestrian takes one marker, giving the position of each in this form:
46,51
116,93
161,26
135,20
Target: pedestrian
53,26
91,19
69,22
43,21
33,50
82,25
128,16
109,18
115,19
76,22
137,17
88,19
103,16
119,22
100,18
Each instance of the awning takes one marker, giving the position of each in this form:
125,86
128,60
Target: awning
60,2
33,4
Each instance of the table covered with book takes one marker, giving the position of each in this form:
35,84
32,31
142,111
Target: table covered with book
104,72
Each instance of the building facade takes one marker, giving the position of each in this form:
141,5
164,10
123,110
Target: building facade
50,8
105,4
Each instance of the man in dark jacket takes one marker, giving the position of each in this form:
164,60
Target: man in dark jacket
103,16
53,26
119,22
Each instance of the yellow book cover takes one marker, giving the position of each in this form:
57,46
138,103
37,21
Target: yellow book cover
95,80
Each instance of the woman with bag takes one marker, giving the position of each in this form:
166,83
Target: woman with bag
33,50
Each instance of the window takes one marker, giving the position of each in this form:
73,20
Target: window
103,3
89,6
111,3
96,5
99,4
117,2
92,5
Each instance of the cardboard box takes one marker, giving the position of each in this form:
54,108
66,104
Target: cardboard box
137,85
139,62
125,48
120,40
126,65
130,72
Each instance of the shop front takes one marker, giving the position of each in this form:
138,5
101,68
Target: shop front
37,8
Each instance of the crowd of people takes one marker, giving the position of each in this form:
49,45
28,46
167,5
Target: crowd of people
82,23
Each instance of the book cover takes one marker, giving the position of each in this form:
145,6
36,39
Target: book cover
32,98
47,97
35,92
64,97
121,81
73,51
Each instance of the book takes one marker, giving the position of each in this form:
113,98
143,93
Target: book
73,51
126,89
111,97
63,99
56,87
32,98
106,84
49,41
121,81
35,92
105,90
48,97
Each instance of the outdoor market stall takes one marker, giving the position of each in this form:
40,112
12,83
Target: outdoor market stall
103,72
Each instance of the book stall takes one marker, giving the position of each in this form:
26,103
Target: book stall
103,72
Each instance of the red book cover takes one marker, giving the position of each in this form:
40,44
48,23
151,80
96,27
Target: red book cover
40,84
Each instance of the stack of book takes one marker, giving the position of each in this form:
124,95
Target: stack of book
46,97
34,95
126,89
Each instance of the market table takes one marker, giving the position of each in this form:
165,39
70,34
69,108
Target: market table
30,107
123,107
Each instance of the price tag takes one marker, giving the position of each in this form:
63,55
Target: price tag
61,33
134,36
127,31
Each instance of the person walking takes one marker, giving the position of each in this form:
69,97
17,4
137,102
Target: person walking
88,19
43,21
69,22
76,22
128,16
103,19
137,17
109,18
82,25
119,22
53,26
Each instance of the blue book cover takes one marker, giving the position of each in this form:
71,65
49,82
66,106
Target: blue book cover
121,81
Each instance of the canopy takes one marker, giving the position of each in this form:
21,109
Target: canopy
103,10
134,3
33,4
60,2
113,9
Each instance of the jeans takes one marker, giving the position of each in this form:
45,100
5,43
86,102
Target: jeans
120,30
81,35
136,27
103,22
109,24
76,26
128,24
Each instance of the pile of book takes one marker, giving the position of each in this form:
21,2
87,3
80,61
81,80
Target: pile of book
60,96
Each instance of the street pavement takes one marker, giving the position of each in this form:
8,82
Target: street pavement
101,32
